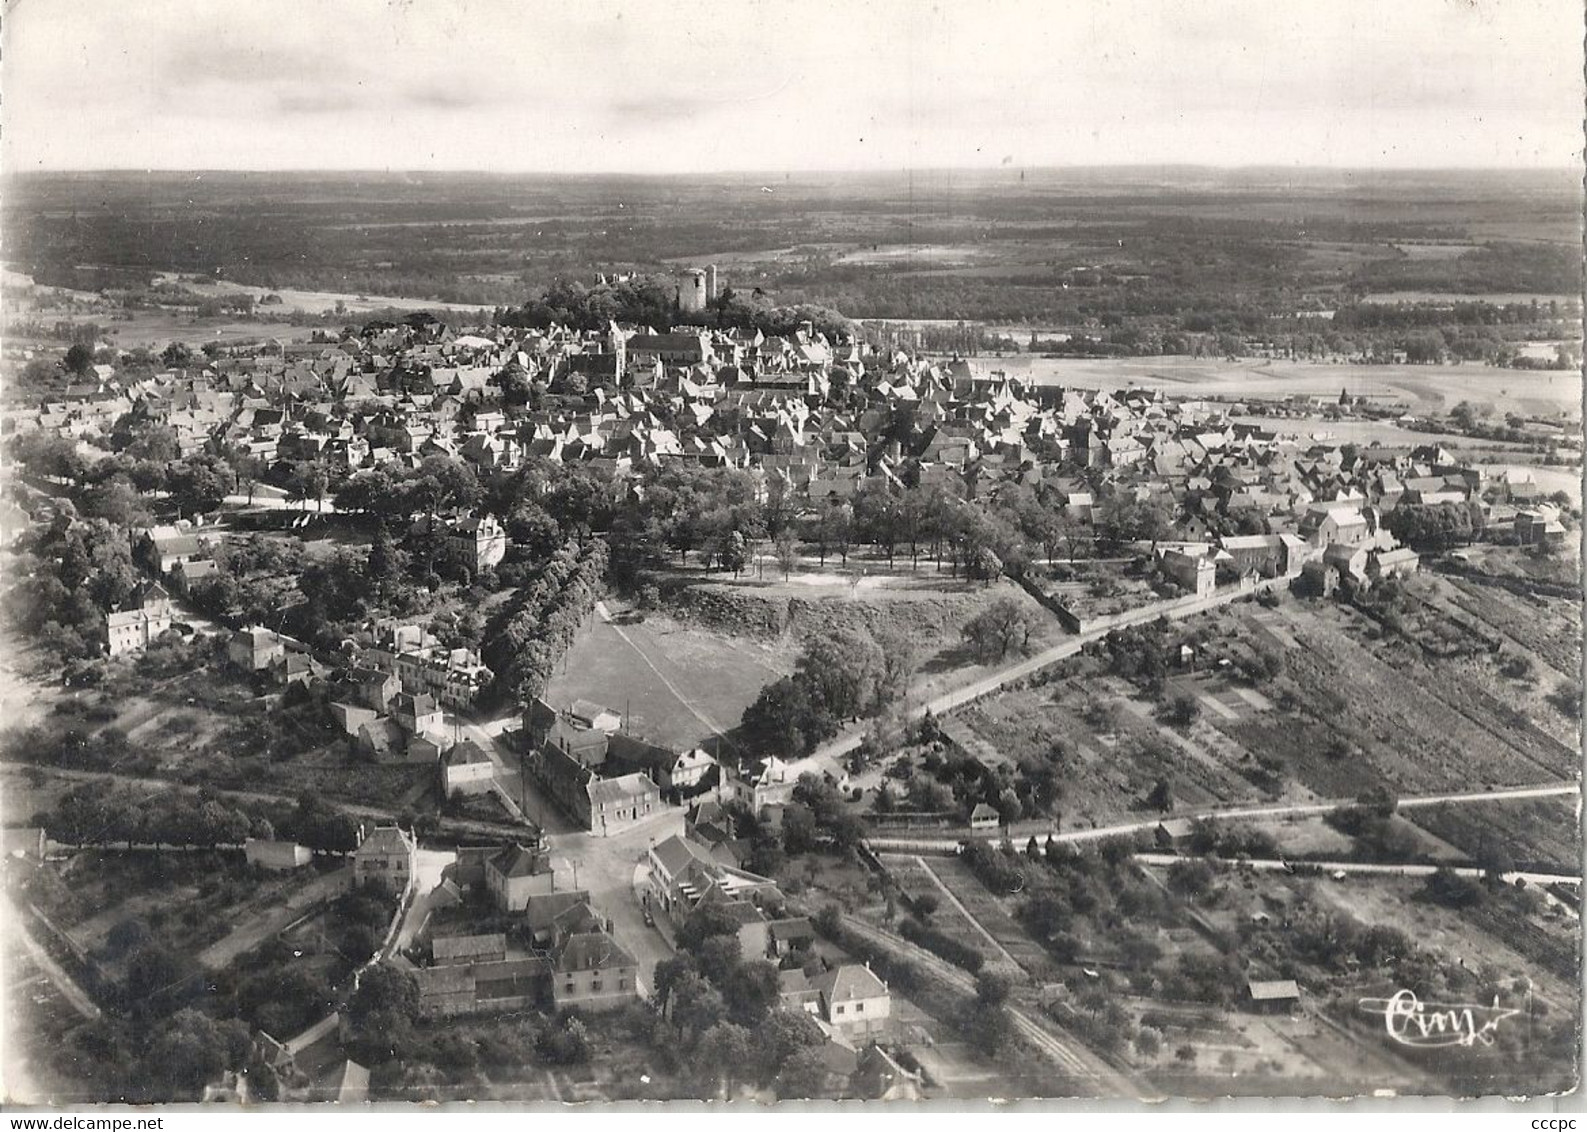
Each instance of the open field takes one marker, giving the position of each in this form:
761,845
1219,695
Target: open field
676,684
992,245
1424,389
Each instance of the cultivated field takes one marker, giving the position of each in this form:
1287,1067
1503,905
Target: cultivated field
1418,727
1424,389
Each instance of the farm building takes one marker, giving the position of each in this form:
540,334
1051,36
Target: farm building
983,816
275,854
1173,833
587,713
1274,996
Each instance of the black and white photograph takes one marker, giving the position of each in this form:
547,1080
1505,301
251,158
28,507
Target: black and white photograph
889,553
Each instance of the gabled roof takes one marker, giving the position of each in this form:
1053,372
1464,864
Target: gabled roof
1271,990
848,982
466,753
453,947
516,861
619,789
388,839
591,951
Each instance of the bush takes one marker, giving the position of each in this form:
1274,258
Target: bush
924,905
1449,888
943,945
993,869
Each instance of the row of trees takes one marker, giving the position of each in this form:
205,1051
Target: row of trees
97,814
545,616
1438,526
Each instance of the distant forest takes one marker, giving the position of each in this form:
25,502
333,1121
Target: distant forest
1177,250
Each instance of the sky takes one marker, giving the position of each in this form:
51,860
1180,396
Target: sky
637,86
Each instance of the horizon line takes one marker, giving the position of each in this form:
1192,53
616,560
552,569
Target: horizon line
1141,166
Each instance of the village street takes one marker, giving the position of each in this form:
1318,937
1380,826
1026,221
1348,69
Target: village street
605,867
520,794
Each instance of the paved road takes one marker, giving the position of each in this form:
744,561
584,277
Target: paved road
1235,813
513,784
428,869
263,501
828,758
606,870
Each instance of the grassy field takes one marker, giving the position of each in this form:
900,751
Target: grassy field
1541,833
676,684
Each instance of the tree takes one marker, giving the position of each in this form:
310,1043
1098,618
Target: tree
787,552
835,529
723,1056
201,484
803,1075
845,668
1003,625
190,1050
567,1044
307,480
382,1008
1161,797
787,717
178,355
1184,710
779,1036
79,359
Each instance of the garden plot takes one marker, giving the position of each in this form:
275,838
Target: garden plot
1534,834
1357,719
992,916
915,878
1110,749
1549,628
1219,695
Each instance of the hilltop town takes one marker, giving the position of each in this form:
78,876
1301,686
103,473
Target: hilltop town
451,709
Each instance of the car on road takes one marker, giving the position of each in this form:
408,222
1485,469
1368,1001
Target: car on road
650,921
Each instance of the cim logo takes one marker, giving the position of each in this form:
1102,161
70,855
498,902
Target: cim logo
1427,1025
